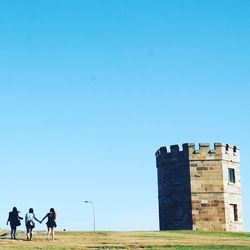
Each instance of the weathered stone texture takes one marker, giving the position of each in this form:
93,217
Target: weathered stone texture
194,188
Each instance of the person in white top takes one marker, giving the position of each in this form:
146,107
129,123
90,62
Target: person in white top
29,222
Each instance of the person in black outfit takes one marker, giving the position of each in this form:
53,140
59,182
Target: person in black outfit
14,220
51,223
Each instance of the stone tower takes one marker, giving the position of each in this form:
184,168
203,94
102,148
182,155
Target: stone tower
199,189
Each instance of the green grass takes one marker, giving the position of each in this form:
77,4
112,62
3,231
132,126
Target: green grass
179,240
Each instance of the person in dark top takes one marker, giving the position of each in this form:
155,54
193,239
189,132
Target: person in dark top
14,220
51,223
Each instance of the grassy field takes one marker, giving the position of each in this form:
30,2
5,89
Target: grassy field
183,240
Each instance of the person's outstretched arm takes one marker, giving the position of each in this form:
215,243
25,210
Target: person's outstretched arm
36,219
44,218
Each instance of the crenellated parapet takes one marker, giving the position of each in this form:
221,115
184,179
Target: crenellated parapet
173,149
219,151
202,151
172,153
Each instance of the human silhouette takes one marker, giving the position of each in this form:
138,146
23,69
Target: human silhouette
29,222
14,220
51,223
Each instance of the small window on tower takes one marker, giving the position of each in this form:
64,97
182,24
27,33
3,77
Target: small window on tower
234,212
176,176
231,175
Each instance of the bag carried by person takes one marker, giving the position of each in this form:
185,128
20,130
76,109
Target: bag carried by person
18,223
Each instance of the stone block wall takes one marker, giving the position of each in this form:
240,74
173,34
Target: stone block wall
208,207
232,190
174,199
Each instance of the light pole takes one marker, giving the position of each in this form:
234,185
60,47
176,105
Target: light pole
91,202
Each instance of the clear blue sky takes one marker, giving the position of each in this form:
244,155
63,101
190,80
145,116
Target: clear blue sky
89,90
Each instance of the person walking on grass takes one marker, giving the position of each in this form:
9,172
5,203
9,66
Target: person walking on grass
29,222
51,223
14,220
